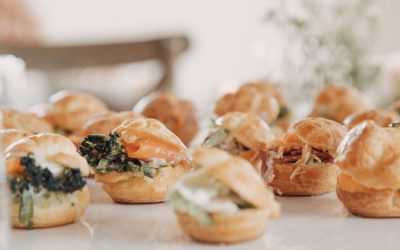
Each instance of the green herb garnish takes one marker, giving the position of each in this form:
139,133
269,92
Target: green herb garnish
108,155
283,111
25,214
216,138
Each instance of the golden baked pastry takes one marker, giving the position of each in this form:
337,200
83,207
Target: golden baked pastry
369,158
45,174
10,118
302,162
104,124
69,110
138,163
224,200
9,136
241,134
338,102
178,115
395,107
380,117
262,99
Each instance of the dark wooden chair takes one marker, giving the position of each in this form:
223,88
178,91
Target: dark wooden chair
49,58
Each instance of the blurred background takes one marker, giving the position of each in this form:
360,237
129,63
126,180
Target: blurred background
206,47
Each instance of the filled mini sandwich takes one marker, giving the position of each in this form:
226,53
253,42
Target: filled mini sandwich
338,102
46,181
224,200
302,162
10,118
380,117
241,134
178,115
104,124
369,160
68,111
253,98
139,161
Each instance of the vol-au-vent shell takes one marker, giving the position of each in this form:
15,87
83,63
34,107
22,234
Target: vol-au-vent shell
319,133
371,156
248,129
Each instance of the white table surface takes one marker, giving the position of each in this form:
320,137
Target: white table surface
305,223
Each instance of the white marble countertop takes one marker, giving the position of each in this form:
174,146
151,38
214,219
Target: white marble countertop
305,223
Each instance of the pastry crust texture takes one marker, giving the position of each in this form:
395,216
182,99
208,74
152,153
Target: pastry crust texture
250,98
315,180
178,115
59,150
299,178
367,202
369,158
320,133
380,117
10,118
70,110
104,124
238,175
248,129
56,214
9,136
227,228
132,129
338,102
126,187
51,147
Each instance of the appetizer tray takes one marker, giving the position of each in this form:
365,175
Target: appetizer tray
319,222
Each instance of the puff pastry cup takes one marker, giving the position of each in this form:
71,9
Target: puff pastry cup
47,188
338,102
302,162
380,117
263,99
139,162
369,160
10,118
178,115
224,200
68,111
241,134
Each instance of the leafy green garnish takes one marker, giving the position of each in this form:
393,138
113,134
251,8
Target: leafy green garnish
394,125
283,111
108,155
183,206
216,138
25,214
37,177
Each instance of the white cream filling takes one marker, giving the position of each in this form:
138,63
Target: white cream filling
41,160
199,191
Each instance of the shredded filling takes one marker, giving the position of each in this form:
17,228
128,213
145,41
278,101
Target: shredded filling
223,139
298,157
